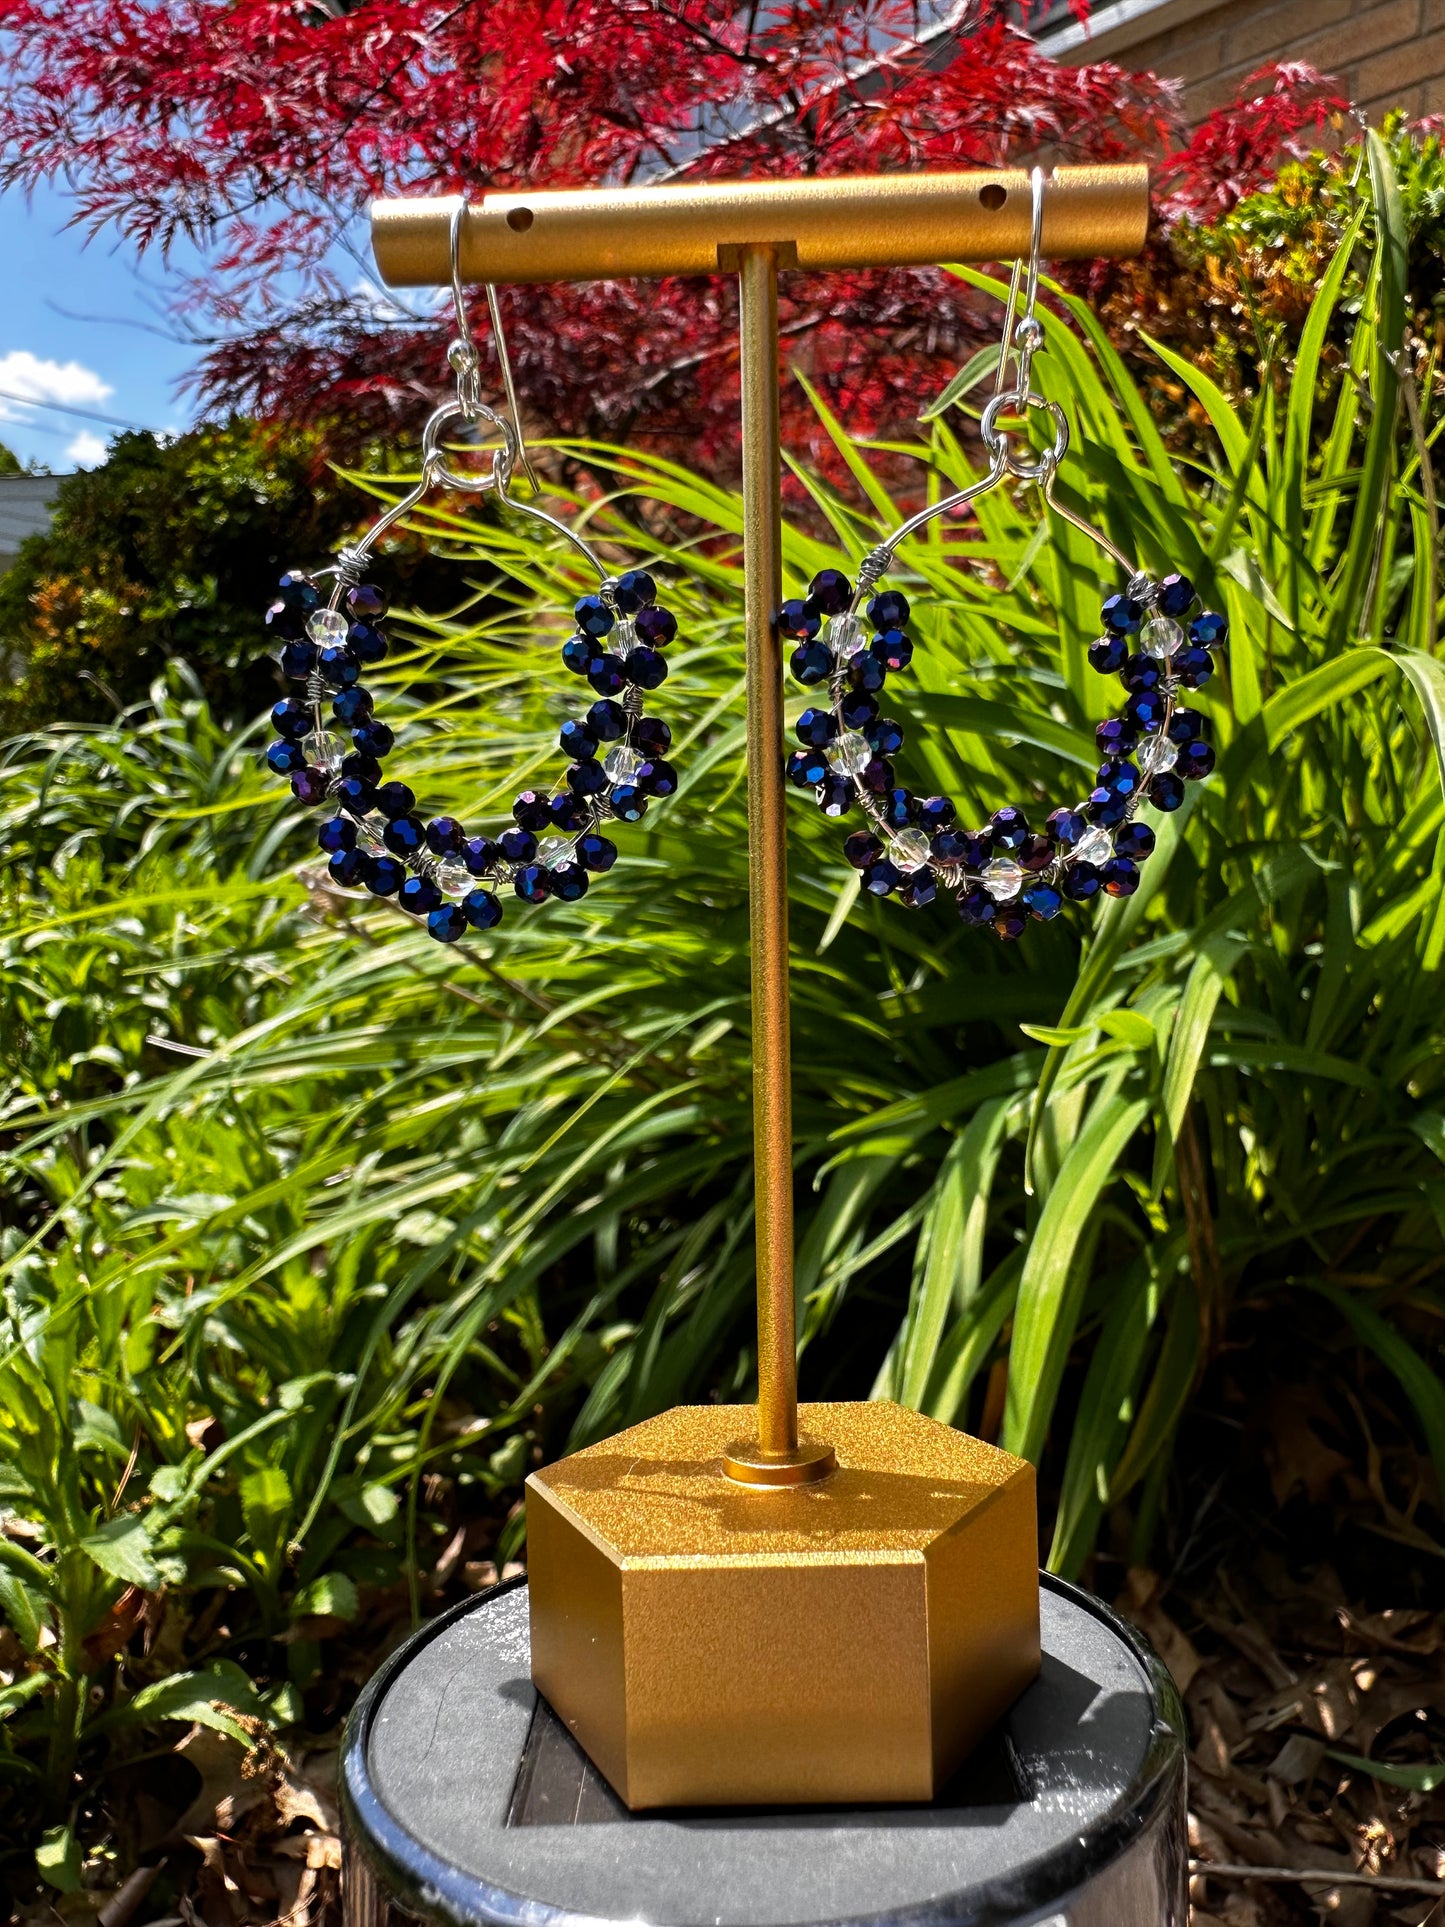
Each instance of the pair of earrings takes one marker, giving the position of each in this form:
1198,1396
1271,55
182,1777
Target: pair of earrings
848,639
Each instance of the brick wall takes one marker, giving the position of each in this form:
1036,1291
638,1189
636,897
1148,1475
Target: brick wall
1383,53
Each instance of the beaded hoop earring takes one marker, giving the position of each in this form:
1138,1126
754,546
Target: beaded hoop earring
1156,637
618,763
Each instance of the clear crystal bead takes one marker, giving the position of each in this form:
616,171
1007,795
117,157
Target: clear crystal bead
909,849
623,638
845,635
1095,846
622,763
1161,636
1157,755
324,749
326,626
554,849
454,878
850,753
1003,879
369,842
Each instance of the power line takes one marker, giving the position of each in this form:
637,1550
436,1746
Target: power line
82,414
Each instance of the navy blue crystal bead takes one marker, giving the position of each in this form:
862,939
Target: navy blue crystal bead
1066,827
445,836
936,813
888,609
655,626
629,803
651,736
1120,876
862,848
949,846
607,676
298,659
1193,667
976,906
1185,726
1115,736
607,721
1108,654
1166,792
1121,614
291,718
586,779
1008,829
365,769
891,649
1082,881
857,708
633,591
1010,924
366,642
384,876
395,799
298,591
832,591
284,759
576,740
885,737
881,878
1142,672
799,619
1145,710
1106,807
579,654
816,728
1036,855
657,777
518,846
480,854
1043,901
419,895
372,738
865,671
896,807
530,811
596,853
1123,778
336,833
365,601
920,888
1195,761
481,910
351,706
339,665
1176,592
347,867
811,663
447,923
1134,839
645,669
356,796
806,767
876,776
569,882
533,883
285,625
404,836
593,616
569,812
1209,630
835,795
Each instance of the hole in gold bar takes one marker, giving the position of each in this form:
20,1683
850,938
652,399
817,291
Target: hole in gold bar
520,219
993,196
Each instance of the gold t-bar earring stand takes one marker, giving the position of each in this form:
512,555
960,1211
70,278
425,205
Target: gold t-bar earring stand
836,1616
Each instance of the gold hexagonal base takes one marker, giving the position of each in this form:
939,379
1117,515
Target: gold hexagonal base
846,1641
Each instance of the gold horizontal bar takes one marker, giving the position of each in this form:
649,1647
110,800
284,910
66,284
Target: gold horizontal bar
877,221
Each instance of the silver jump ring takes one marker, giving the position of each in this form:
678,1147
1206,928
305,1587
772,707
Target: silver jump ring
998,444
504,457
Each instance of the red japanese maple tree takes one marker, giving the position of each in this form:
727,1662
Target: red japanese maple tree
260,129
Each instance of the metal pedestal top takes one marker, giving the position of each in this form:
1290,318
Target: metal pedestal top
471,1803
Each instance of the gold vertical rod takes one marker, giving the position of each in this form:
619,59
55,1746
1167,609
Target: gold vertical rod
768,852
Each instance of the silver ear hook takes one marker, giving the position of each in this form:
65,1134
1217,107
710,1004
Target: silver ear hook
465,362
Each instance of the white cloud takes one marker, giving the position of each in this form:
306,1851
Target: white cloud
86,451
69,382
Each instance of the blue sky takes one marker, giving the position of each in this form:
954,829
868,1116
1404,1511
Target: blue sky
110,363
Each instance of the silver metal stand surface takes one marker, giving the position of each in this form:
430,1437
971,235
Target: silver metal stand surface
466,1800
